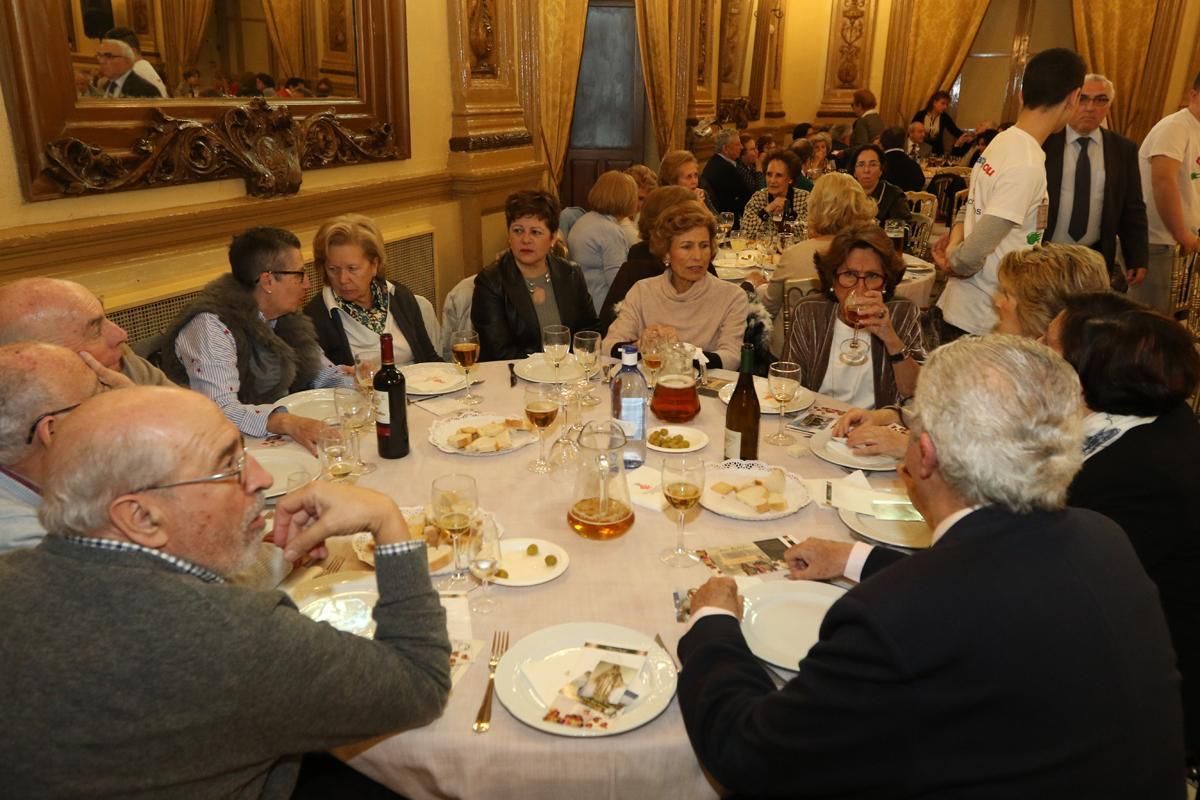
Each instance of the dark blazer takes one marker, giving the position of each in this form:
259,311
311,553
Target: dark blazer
137,86
403,308
866,129
1146,482
503,313
901,170
1123,212
724,185
937,144
1022,656
891,201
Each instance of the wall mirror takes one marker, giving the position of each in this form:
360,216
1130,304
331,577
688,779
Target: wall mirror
71,141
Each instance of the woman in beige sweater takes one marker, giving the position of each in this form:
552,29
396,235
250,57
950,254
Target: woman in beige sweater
685,302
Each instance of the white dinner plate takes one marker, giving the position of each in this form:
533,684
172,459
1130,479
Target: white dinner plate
560,645
819,444
441,431
766,403
696,438
282,461
443,553
433,379
781,620
740,473
911,535
536,369
526,570
345,600
311,403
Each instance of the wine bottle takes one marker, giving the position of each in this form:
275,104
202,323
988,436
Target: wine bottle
741,418
391,404
629,407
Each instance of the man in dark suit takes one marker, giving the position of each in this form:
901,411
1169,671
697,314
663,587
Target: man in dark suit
898,167
116,63
1094,207
916,146
721,178
1024,655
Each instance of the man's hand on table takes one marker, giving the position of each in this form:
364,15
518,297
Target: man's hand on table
875,440
302,429
817,559
719,593
305,518
856,417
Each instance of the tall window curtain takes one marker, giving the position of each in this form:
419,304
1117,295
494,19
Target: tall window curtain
288,24
183,33
1133,47
560,45
664,28
928,41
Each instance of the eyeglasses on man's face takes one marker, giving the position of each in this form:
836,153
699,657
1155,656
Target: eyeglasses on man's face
848,279
40,417
299,272
1098,100
235,472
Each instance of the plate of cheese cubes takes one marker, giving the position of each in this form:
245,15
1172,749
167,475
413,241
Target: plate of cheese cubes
752,490
475,434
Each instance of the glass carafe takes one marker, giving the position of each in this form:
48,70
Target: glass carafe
600,506
675,398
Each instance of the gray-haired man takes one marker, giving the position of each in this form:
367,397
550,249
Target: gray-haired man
720,177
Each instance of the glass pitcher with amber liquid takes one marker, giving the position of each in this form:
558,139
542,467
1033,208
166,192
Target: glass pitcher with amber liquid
600,506
676,398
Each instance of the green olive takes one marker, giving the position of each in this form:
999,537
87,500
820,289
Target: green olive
531,550
551,561
502,574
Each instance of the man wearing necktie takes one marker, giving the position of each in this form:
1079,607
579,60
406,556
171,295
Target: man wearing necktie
116,64
1095,188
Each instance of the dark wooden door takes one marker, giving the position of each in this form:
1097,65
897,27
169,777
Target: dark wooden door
606,131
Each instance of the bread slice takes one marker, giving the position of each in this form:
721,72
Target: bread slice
721,487
503,440
461,439
518,423
439,561
492,429
755,497
484,444
776,481
776,502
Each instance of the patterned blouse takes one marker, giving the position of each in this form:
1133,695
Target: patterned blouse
756,220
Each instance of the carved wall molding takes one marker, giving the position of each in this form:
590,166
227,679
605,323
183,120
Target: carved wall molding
482,38
774,102
490,141
261,143
702,98
736,110
848,65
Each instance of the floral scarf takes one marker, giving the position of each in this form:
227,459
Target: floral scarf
373,318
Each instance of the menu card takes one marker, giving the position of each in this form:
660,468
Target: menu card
593,690
763,558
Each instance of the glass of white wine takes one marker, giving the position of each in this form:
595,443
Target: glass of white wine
454,500
682,485
556,341
464,347
485,561
724,225
587,353
355,412
541,409
783,379
337,453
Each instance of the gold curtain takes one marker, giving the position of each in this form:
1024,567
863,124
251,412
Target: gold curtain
664,28
1134,49
183,33
928,41
560,46
288,25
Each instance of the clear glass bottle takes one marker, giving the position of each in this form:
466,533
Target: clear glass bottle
629,407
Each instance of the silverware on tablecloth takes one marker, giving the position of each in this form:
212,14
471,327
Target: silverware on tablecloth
658,638
483,720
512,374
332,566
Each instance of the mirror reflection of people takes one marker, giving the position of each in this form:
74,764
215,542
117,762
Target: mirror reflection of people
141,67
324,88
190,85
116,65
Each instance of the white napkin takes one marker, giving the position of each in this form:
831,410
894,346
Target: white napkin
816,486
839,447
645,488
458,615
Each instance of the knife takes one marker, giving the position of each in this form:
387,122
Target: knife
512,374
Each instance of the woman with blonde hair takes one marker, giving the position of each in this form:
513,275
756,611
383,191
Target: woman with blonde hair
685,303
1033,285
680,168
597,240
818,163
356,303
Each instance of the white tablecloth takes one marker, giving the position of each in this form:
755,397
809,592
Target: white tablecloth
619,581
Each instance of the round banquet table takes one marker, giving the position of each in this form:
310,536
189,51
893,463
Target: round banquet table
619,581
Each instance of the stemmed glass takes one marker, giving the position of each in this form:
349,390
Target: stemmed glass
337,461
652,355
783,379
724,226
682,485
355,412
556,341
365,367
854,351
465,349
454,499
587,353
485,561
541,409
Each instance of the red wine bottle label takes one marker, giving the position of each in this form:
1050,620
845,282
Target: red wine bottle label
383,411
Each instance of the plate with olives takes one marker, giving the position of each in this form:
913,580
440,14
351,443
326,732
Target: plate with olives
528,562
675,439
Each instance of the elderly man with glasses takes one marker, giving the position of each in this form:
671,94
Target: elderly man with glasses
122,629
245,344
116,59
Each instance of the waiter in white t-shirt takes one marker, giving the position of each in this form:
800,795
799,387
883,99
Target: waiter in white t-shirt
1007,204
1170,165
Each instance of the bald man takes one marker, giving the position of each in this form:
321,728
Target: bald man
42,383
68,314
128,633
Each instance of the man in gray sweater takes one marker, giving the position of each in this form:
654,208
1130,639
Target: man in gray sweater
132,670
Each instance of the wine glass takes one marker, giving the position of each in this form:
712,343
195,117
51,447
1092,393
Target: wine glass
337,458
454,500
465,349
556,341
541,409
365,367
653,344
737,242
783,379
587,353
724,225
682,485
355,412
854,351
484,548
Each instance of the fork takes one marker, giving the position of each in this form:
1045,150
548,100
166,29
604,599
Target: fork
483,720
331,566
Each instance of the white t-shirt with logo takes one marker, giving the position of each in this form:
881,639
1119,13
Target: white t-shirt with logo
1009,182
1176,136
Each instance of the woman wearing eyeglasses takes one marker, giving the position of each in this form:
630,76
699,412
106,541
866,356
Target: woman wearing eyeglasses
860,260
357,304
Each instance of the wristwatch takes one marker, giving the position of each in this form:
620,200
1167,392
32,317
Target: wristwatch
896,358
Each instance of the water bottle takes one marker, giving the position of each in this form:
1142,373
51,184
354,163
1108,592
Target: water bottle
629,407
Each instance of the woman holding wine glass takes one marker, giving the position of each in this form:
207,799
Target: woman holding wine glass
528,287
780,202
856,342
